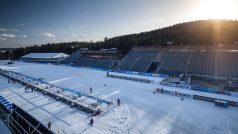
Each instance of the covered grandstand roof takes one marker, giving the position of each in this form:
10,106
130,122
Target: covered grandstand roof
45,55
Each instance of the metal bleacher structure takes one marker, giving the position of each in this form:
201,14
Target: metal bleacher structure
72,58
96,63
138,60
206,61
212,61
104,58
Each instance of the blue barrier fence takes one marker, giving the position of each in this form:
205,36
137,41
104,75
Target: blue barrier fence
211,90
199,88
87,95
6,104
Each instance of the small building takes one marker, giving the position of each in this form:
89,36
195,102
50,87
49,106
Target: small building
44,57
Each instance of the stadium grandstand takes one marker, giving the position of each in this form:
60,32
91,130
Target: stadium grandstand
211,66
72,58
140,60
203,61
103,58
44,57
216,62
207,65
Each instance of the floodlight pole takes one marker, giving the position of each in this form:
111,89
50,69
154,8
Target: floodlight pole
9,55
12,55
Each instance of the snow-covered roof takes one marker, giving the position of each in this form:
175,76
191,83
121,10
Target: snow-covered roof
45,55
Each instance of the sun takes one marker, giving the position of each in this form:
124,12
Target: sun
217,9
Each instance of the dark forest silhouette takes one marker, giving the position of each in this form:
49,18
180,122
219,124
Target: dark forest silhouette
190,33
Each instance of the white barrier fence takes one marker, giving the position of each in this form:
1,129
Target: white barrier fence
175,85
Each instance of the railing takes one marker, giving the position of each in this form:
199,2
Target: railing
130,78
18,121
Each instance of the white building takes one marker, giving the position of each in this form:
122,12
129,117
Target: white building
44,57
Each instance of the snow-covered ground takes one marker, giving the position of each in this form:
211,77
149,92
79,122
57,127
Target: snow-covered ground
141,110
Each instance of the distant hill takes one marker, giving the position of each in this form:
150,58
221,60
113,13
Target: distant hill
197,32
190,33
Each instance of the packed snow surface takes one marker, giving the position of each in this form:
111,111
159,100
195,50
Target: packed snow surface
141,111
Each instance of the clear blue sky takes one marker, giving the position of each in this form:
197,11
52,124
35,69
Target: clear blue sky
28,22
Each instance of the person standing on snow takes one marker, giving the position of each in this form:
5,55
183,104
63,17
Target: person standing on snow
91,122
49,125
91,90
118,102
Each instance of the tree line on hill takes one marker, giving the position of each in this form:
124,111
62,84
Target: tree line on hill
189,33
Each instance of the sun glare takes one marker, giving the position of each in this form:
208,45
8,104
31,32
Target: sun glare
217,9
